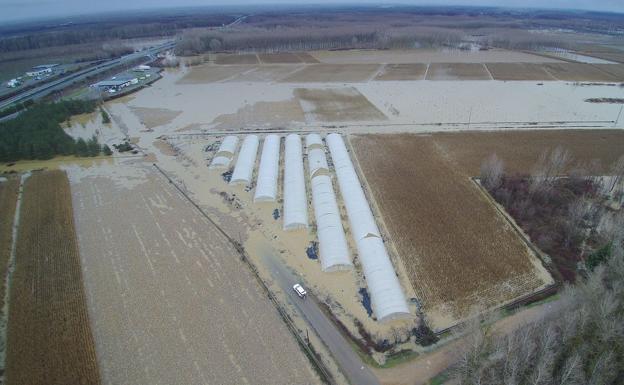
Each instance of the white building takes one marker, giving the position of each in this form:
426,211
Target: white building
225,154
266,187
243,171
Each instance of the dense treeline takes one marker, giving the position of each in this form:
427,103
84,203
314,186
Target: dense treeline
113,29
37,133
581,342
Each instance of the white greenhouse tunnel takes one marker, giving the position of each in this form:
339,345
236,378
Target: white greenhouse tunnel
333,248
266,186
387,298
225,154
243,171
295,199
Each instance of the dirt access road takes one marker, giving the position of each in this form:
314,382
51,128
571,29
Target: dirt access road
350,363
169,299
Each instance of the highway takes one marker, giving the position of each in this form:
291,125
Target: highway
66,81
356,372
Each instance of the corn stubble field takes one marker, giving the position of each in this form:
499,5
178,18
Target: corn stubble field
459,253
49,336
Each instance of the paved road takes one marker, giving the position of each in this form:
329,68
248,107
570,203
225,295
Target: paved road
347,359
66,81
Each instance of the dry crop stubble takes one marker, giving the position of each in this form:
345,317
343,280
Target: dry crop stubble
459,253
8,200
49,335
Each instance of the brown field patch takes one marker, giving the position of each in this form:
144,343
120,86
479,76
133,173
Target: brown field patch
282,57
578,72
518,71
8,200
265,73
410,71
337,105
306,57
615,70
208,73
172,301
521,149
459,253
154,117
457,71
236,59
49,336
330,73
262,115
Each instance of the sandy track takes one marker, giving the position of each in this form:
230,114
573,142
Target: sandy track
169,299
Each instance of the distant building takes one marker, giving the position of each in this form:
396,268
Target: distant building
41,70
142,68
114,85
13,83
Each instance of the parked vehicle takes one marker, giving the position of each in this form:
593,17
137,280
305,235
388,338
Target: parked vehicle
300,291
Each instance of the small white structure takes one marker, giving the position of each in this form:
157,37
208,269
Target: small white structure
387,298
142,68
37,71
333,248
13,83
224,156
243,171
266,187
295,199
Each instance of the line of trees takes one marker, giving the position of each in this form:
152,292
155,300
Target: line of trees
580,343
37,133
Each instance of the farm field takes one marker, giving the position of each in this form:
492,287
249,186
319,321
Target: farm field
343,104
578,72
236,59
320,73
457,71
459,253
8,200
518,71
170,298
451,225
282,57
410,71
49,338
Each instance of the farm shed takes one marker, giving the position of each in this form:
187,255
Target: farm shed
266,187
246,161
295,199
224,156
387,297
333,248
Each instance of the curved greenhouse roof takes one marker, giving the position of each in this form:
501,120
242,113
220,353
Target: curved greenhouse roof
295,198
266,187
387,298
225,154
243,171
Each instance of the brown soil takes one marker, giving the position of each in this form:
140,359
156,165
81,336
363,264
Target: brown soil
321,73
578,72
459,253
521,149
282,57
8,200
49,335
265,73
207,73
615,70
457,71
413,71
154,117
518,71
306,57
262,115
236,59
337,105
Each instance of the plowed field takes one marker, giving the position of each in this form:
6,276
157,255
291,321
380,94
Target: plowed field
8,199
49,335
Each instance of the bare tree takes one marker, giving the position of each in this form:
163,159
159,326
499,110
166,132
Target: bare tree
617,173
492,170
550,165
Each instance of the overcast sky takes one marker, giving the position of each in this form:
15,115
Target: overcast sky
12,10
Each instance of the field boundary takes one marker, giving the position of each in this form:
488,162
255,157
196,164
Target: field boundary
307,348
